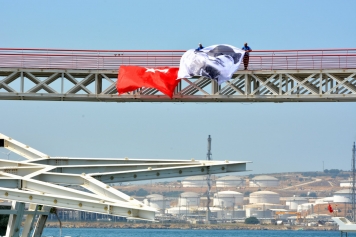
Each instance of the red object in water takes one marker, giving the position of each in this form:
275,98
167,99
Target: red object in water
330,208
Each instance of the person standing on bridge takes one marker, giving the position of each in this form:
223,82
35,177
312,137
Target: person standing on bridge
200,47
247,55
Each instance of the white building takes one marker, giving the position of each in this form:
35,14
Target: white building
230,182
189,199
156,201
264,181
309,207
345,183
343,196
228,199
262,210
197,181
264,197
293,202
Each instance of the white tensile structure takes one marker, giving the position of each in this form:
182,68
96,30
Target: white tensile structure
230,182
264,197
264,181
228,199
45,180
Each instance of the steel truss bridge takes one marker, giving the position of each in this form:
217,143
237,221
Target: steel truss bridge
90,75
42,180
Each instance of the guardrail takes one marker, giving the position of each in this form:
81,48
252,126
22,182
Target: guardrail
112,59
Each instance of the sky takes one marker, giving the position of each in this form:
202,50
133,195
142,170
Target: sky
286,137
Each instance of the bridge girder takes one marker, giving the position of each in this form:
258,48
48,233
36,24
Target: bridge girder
338,85
39,181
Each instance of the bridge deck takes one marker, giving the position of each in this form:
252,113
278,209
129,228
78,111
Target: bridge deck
90,75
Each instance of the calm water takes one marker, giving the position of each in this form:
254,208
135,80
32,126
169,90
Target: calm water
84,232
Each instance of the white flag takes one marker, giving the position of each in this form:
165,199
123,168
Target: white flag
218,62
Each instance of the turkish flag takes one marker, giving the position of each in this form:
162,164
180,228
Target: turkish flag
163,79
330,208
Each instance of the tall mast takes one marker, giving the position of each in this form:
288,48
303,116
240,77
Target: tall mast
208,157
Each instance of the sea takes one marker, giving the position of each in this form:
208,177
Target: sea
93,232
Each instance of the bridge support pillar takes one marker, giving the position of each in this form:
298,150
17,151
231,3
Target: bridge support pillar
41,222
14,224
30,219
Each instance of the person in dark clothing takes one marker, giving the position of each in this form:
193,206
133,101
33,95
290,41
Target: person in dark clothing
200,47
247,55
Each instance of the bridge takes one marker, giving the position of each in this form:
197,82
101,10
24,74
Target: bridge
90,75
46,183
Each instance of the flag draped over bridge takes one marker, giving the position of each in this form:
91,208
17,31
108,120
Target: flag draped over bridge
131,78
217,62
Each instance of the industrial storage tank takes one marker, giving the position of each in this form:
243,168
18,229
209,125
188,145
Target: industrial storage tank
293,202
346,183
230,182
156,201
264,181
264,197
189,199
262,210
228,199
197,181
343,196
306,207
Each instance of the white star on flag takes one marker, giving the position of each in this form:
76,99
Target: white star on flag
158,70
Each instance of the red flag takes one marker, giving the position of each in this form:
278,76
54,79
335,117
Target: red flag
163,79
330,208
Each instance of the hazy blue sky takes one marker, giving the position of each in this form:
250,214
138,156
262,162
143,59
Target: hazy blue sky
276,137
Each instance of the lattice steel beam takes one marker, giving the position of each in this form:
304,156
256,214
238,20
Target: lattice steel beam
245,86
39,181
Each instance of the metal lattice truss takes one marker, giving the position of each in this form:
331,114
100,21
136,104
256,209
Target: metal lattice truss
48,181
245,86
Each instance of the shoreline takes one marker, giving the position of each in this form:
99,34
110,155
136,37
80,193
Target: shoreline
182,226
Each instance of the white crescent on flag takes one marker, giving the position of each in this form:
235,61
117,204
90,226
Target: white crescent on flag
156,70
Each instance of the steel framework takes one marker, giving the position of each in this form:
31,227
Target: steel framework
42,180
90,75
246,86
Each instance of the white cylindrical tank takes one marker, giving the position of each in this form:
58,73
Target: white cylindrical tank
230,182
264,181
181,210
156,201
189,199
195,181
305,207
293,202
264,197
228,199
264,206
343,196
345,183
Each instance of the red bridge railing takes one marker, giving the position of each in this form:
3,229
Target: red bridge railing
112,59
